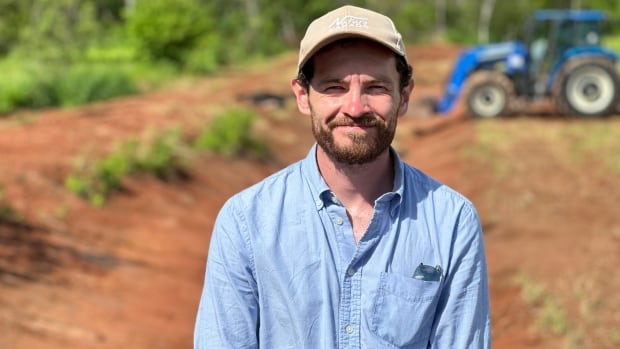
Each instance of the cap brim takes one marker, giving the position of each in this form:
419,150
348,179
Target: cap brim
339,36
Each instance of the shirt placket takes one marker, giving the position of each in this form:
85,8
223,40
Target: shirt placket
351,262
342,230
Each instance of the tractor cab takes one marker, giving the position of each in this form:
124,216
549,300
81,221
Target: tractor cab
560,58
553,36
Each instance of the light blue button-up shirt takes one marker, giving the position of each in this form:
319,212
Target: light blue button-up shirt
284,270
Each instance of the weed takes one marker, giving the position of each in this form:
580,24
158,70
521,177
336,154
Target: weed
96,181
597,140
614,335
61,211
7,213
230,134
550,316
533,293
570,143
492,141
87,83
165,157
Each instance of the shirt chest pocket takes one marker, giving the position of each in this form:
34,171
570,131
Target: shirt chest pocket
404,310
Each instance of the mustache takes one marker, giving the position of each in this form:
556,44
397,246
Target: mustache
365,121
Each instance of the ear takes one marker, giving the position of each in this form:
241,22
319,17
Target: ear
301,95
404,100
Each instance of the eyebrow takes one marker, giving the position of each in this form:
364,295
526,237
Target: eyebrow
380,80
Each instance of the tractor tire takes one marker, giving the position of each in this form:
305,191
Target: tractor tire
489,94
587,87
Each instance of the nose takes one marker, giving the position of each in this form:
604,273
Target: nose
354,104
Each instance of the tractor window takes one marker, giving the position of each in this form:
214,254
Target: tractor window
538,44
574,33
588,33
537,30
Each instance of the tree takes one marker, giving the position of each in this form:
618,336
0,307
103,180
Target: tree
12,18
484,21
441,13
58,29
167,30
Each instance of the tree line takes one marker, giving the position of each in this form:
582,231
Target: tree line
68,52
233,29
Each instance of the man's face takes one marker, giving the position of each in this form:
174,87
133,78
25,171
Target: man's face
354,100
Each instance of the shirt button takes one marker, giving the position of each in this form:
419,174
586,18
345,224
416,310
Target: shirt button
349,329
339,220
351,272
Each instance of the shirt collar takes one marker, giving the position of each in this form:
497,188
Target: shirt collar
318,187
323,195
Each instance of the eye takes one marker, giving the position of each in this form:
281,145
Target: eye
333,89
378,88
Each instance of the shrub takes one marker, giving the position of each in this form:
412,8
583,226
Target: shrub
36,85
95,182
12,18
83,84
26,85
58,30
206,57
230,134
163,157
166,29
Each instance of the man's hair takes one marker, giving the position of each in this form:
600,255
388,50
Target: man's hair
405,72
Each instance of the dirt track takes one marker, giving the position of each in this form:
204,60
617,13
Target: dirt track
129,275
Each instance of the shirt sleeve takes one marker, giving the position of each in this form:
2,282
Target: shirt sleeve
228,311
463,315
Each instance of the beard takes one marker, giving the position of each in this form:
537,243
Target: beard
364,147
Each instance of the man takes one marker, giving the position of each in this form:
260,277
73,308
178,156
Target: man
350,247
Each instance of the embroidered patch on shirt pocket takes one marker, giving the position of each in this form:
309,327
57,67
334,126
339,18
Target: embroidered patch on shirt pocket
404,309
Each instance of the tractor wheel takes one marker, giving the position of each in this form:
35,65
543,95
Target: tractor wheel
488,94
587,87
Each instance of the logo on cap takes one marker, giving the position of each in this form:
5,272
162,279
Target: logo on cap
348,22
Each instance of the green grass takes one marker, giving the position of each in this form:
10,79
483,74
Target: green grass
594,140
230,134
26,85
575,309
33,84
7,213
572,142
550,316
165,155
612,42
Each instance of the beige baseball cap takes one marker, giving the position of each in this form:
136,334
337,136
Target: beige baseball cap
349,22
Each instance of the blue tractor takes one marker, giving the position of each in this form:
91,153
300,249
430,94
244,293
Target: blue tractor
561,58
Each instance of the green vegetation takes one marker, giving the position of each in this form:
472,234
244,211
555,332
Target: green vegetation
584,325
613,42
550,316
573,307
594,141
162,157
38,86
165,155
571,143
68,52
168,30
614,336
82,84
7,213
230,134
